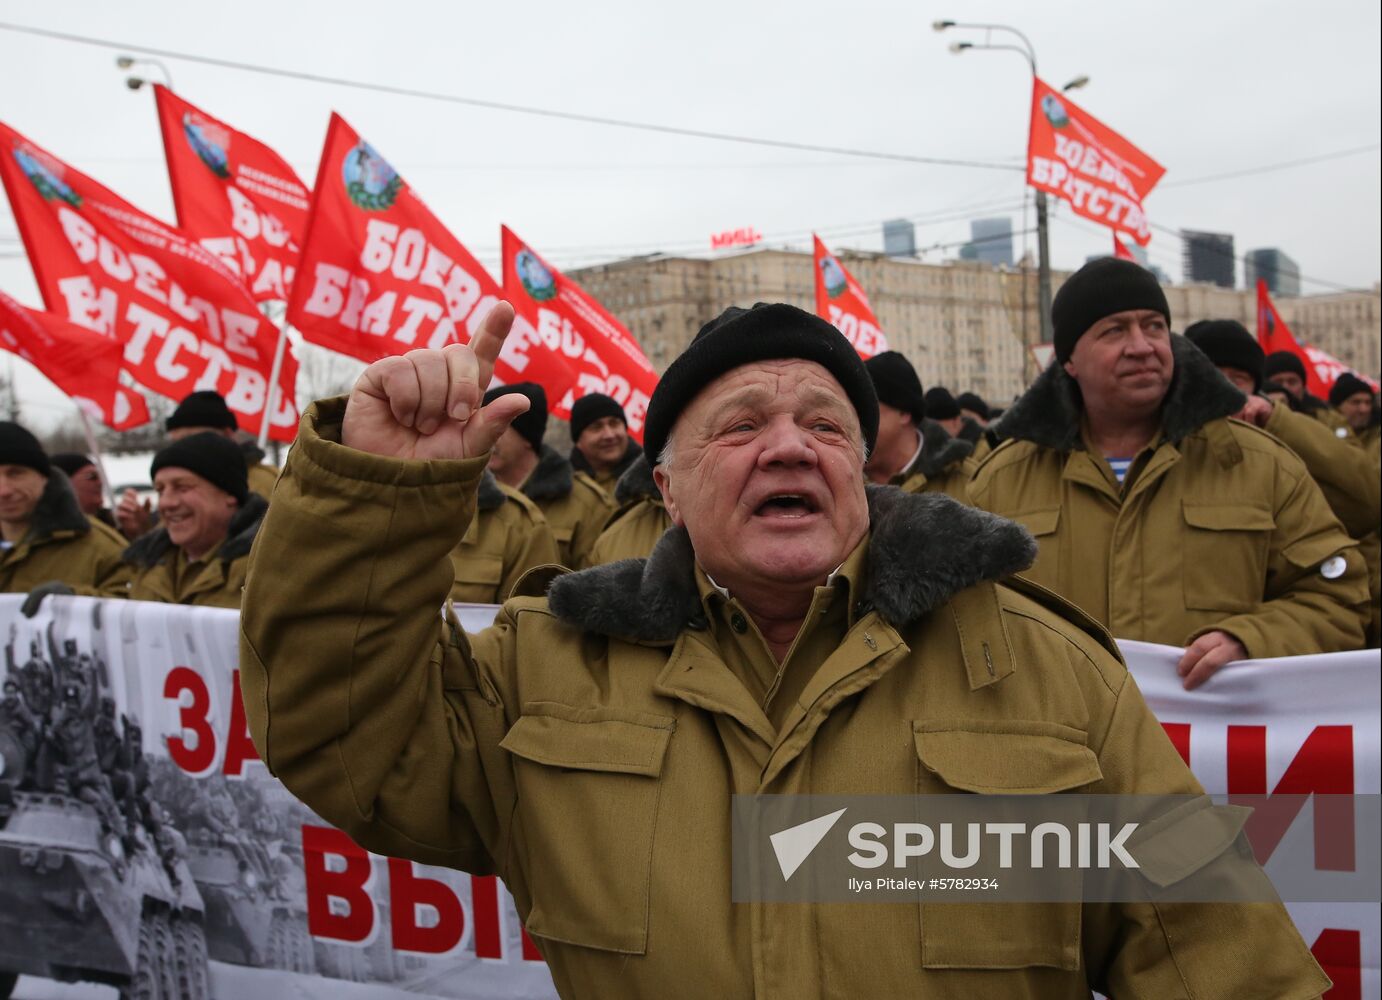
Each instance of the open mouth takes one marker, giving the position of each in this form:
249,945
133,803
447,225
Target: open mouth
786,505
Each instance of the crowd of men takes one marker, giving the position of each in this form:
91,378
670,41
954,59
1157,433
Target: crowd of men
1257,545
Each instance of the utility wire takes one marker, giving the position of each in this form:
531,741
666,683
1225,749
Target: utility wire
523,109
1272,167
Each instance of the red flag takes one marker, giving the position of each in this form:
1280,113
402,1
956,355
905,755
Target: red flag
185,321
1074,156
1328,368
600,351
1120,251
234,194
841,301
381,275
1274,335
83,364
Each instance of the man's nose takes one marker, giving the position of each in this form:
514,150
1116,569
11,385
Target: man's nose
784,443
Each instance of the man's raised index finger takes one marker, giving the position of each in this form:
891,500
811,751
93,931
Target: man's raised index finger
489,339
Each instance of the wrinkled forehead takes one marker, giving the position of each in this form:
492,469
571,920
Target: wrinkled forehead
785,385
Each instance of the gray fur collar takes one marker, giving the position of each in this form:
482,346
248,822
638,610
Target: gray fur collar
636,483
924,548
57,509
149,548
551,478
939,451
1048,413
581,464
489,496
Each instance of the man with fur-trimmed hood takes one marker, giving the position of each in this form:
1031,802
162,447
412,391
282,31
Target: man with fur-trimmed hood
913,452
795,633
575,508
207,522
1155,512
45,539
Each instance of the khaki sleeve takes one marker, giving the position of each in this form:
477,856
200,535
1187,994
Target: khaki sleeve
1339,466
1316,597
359,696
1183,950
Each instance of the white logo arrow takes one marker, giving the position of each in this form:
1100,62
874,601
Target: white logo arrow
795,844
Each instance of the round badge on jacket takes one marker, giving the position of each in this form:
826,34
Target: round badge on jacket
1333,567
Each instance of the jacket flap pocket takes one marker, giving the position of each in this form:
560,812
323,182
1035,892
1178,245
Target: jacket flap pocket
1307,553
562,534
1039,522
590,739
1228,517
1006,757
1184,840
475,568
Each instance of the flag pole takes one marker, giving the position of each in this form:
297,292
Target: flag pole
271,398
107,490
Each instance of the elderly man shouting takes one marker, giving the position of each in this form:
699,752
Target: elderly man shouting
792,633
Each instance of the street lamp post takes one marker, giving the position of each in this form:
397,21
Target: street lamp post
1043,239
135,82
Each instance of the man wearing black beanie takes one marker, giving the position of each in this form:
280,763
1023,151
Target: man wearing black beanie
574,508
602,449
1161,517
912,451
46,541
1288,370
208,519
1354,399
784,638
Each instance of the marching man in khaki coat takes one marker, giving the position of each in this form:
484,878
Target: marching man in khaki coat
913,452
795,633
1154,512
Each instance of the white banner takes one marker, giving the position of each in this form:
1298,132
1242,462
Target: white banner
125,716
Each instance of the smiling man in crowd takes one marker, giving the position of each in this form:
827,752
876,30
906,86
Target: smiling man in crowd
207,522
600,431
1156,513
794,633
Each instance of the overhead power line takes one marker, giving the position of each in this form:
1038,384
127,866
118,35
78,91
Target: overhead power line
1273,167
522,109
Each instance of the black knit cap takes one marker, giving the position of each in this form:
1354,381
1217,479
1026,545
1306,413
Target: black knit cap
767,332
591,408
19,447
203,408
1101,288
974,403
940,405
70,462
1348,384
214,457
897,384
1227,343
1283,363
531,425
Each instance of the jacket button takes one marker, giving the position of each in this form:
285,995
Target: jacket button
739,623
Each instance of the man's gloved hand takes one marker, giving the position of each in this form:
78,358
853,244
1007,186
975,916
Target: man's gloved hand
35,599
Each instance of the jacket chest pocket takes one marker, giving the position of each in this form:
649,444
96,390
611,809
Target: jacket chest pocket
1004,757
1224,555
588,786
477,577
562,537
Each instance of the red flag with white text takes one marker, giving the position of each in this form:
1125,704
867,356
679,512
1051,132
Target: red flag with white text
185,321
600,351
1120,251
840,300
380,274
1274,335
1073,155
83,364
234,194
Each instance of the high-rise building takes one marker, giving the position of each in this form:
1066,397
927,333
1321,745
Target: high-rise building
1208,258
1271,265
990,242
899,238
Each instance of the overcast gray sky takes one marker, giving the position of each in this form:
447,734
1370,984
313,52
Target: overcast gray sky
1205,88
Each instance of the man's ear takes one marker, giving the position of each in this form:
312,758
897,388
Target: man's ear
1069,367
664,485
